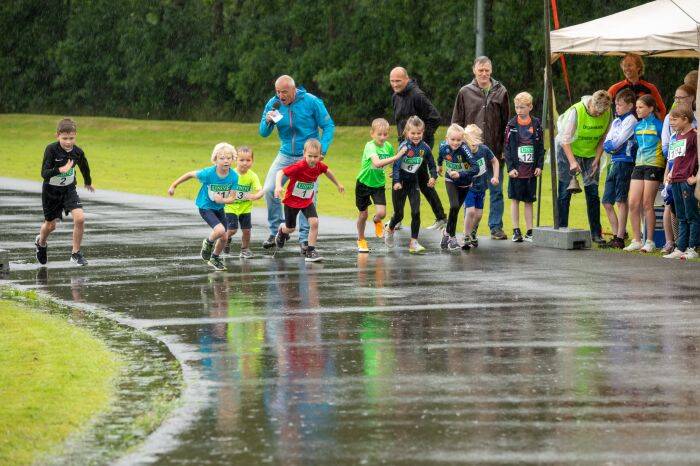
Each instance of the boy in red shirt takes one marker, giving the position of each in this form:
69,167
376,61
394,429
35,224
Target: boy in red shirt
300,195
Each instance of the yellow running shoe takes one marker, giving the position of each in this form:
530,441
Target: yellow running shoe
362,245
414,247
379,229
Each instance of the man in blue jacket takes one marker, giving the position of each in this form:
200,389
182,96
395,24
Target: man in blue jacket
298,116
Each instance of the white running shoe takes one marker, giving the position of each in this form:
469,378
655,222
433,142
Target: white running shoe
633,246
438,225
388,236
690,253
649,246
676,254
414,247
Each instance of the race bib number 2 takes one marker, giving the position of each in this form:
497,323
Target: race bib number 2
64,179
526,154
676,149
303,190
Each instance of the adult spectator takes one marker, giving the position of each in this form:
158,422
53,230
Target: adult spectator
298,116
579,144
409,100
484,102
633,69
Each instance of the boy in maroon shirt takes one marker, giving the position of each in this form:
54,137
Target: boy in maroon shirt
300,195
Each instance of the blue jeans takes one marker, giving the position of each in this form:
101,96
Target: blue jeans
275,215
495,198
687,215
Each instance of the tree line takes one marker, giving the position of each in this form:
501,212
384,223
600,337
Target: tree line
218,59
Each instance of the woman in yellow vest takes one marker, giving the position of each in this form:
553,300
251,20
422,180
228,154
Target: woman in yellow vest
582,130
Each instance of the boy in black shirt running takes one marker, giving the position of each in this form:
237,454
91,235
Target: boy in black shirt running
58,193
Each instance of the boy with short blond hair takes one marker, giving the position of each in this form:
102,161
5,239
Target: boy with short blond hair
524,156
58,193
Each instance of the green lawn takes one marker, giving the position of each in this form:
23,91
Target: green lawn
53,378
144,156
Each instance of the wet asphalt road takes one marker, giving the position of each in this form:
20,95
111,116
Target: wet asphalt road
509,353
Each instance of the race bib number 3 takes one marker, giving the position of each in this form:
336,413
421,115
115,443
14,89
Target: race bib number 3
241,191
482,166
411,164
64,179
676,149
303,190
526,154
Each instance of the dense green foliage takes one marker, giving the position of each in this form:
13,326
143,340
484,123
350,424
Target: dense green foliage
217,59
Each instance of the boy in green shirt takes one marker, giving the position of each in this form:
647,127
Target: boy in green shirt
371,180
238,211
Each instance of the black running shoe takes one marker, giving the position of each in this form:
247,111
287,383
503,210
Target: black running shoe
269,242
217,263
41,254
207,248
517,236
281,238
313,256
77,258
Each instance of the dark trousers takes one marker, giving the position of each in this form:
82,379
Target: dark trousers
456,196
430,194
592,206
398,199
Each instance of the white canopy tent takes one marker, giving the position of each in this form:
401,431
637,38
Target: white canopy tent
662,28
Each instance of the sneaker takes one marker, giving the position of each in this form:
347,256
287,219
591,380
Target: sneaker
41,254
438,225
303,248
378,229
396,227
633,246
474,240
597,239
453,244
77,258
517,236
207,248
269,242
281,238
388,236
444,241
649,246
246,253
216,262
668,247
690,253
528,236
227,248
617,243
362,245
676,254
415,248
467,244
498,234
312,256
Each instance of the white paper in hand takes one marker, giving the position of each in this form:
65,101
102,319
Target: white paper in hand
276,116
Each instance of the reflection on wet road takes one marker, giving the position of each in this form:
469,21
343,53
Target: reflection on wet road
507,353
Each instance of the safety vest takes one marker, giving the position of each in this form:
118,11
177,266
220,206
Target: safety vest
589,130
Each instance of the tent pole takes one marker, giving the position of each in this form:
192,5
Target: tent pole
550,114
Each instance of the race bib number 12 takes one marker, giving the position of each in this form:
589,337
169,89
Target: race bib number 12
526,154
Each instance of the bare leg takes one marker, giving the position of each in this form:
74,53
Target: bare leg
78,228
668,224
612,217
45,230
218,233
313,230
528,216
650,189
515,213
380,213
361,222
622,211
635,203
245,238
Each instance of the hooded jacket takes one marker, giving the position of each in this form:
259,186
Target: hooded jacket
490,112
300,121
413,101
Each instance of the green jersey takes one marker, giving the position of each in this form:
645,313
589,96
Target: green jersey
370,176
247,183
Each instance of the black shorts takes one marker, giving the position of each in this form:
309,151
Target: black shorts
234,220
648,173
522,189
290,214
57,202
366,195
213,217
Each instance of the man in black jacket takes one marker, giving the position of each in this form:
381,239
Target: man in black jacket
409,100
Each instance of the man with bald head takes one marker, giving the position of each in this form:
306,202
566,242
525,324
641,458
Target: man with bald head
298,116
409,100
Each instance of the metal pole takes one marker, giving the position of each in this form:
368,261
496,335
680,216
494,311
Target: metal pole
545,113
550,113
480,12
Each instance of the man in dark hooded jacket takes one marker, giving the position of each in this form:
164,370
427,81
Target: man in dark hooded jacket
409,100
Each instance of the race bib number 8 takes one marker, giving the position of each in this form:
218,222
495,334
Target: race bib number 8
526,154
303,190
482,166
64,179
676,149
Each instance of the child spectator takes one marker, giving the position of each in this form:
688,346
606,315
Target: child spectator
406,181
682,178
460,168
218,183
622,147
239,207
525,157
474,202
299,197
371,181
58,193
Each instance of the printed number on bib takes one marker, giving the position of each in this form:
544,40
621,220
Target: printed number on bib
303,190
222,189
482,166
526,154
676,149
63,179
411,164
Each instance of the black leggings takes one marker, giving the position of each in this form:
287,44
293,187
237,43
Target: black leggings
456,196
430,194
398,199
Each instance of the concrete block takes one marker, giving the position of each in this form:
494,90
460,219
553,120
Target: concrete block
562,238
4,262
